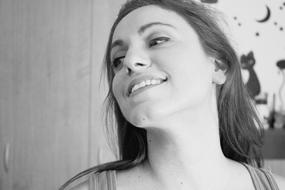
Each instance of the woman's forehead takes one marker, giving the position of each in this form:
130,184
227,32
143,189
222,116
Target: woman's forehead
145,15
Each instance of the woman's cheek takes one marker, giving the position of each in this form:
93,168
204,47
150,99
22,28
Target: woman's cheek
115,89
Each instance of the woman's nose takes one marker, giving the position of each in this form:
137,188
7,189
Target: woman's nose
136,61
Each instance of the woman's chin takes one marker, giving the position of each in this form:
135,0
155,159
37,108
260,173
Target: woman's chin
144,118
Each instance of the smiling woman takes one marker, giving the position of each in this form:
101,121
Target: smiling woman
184,119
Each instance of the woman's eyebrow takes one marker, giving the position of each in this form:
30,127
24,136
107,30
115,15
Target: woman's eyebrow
141,30
117,43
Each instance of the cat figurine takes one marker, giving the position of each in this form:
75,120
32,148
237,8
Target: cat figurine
252,84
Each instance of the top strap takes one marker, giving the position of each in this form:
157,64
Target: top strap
262,178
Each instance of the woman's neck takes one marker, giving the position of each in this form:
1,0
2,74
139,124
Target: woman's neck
187,152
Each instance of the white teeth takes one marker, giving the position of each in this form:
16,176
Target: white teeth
155,81
142,84
146,83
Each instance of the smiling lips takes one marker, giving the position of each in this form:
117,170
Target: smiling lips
142,84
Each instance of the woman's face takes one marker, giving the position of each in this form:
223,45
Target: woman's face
160,66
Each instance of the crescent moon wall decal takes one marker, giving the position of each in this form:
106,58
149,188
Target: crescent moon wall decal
266,18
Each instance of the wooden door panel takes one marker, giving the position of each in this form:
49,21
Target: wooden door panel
45,60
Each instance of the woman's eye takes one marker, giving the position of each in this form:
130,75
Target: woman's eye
118,62
157,41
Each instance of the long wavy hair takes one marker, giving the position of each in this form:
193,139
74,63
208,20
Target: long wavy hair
239,125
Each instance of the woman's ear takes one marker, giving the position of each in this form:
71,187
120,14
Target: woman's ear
219,73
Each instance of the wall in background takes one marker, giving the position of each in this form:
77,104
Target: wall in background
258,26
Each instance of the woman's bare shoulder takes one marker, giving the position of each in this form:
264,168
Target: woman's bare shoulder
131,179
280,180
124,179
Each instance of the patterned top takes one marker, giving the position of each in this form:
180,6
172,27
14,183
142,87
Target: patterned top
262,179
